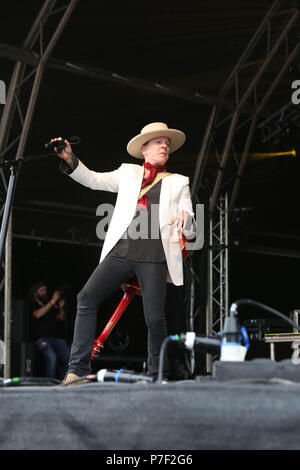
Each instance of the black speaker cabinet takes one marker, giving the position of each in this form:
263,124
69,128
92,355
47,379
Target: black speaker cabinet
22,360
20,322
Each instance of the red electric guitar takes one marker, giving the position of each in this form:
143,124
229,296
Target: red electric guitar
132,288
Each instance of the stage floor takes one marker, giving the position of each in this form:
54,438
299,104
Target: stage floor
203,414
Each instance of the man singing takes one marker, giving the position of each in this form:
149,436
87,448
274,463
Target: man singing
152,260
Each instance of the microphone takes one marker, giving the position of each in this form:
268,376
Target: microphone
60,144
191,341
121,376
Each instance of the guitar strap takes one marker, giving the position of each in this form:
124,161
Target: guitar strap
158,177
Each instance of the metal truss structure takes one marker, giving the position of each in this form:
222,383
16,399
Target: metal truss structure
239,104
218,275
278,125
219,143
20,76
249,100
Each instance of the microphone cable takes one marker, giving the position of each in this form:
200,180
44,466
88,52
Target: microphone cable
237,303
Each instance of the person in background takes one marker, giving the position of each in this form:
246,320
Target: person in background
46,315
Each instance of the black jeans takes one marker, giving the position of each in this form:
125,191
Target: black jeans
107,278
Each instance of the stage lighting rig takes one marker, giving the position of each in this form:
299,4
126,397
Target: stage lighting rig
281,124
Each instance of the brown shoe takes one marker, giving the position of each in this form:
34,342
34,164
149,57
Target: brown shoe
72,379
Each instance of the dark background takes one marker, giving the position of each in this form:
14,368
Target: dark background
190,46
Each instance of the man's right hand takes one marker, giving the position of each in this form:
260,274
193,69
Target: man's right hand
66,152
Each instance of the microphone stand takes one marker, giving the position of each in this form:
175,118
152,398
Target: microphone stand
15,167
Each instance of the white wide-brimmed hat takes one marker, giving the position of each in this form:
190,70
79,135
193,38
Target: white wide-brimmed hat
155,129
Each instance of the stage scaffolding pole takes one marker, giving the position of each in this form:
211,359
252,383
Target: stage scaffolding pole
21,148
218,276
8,300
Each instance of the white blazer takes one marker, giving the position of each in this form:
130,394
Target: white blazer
126,181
